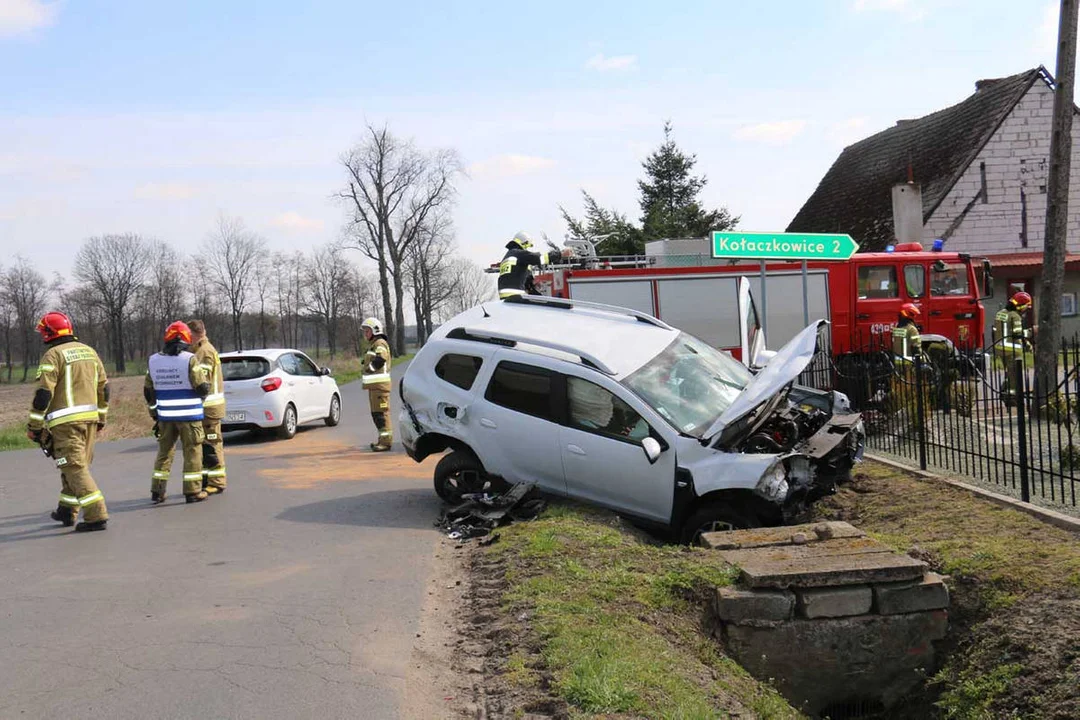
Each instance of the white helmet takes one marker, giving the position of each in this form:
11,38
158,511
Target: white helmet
373,325
523,240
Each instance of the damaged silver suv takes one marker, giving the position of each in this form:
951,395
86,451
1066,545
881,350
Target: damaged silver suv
616,408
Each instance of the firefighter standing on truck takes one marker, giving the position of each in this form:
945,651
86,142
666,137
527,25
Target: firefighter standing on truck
376,380
174,390
515,278
69,409
1011,339
213,448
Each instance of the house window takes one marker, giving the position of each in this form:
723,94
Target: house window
1068,304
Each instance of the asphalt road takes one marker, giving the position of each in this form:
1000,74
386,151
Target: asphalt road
295,594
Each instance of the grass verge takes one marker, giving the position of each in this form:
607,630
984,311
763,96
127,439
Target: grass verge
13,437
349,369
615,623
1013,648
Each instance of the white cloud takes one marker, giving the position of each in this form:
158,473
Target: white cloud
22,16
296,222
502,166
848,131
773,133
603,63
165,191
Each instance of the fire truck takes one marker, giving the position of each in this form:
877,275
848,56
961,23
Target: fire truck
679,282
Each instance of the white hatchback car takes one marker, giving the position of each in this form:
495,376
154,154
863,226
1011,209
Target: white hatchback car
614,407
277,389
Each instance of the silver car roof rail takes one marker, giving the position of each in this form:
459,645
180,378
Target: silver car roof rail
565,304
510,340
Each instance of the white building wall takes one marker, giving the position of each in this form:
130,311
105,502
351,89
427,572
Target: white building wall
1017,157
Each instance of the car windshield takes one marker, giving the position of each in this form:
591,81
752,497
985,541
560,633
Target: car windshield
690,383
244,368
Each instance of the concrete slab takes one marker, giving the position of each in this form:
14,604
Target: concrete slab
766,537
834,602
928,594
742,606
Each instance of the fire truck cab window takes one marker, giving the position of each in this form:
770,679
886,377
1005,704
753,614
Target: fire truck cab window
878,282
949,279
915,280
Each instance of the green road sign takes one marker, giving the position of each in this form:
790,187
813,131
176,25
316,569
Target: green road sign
782,246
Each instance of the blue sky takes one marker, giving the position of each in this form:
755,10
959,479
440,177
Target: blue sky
154,117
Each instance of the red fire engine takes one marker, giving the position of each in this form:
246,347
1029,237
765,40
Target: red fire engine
861,297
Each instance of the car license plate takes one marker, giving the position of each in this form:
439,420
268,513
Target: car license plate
236,416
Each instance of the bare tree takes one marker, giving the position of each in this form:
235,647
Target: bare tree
473,287
326,278
232,254
393,190
431,282
360,301
113,267
289,295
266,279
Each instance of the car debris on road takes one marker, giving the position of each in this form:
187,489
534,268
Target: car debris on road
480,513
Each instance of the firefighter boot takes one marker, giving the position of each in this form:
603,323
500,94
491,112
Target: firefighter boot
91,526
196,497
63,514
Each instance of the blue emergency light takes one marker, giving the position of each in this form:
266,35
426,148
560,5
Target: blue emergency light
939,245
890,248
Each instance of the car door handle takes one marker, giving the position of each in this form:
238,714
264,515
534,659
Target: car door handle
575,449
863,316
488,423
935,312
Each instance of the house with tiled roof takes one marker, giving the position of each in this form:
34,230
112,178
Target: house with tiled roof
982,169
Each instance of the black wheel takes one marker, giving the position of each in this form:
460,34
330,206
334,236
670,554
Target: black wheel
716,517
334,417
287,429
457,474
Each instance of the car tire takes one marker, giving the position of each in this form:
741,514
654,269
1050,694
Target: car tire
287,429
334,417
458,473
716,516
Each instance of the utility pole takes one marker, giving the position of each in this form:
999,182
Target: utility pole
1057,203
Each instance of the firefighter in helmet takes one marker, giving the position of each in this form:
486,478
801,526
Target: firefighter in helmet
175,389
906,343
1011,339
213,449
515,277
69,409
376,380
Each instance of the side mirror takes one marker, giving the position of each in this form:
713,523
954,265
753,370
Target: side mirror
652,449
763,358
326,371
988,280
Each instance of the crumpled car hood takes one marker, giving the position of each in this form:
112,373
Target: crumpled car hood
784,367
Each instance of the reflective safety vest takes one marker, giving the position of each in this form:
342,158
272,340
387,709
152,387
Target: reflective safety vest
377,378
1009,329
514,270
72,381
906,342
207,355
175,399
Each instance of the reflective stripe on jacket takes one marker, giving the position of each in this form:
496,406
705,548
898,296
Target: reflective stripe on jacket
174,378
377,378
73,376
210,363
1009,329
906,342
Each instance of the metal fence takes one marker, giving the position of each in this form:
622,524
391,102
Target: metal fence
981,413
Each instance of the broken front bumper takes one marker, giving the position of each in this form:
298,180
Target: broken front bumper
826,458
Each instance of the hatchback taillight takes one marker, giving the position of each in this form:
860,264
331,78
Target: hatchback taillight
270,384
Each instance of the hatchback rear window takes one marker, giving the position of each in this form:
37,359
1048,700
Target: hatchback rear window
244,368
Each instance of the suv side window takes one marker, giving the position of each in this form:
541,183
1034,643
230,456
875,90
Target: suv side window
594,409
523,388
459,370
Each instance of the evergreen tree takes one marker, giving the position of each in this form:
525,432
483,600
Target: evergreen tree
669,196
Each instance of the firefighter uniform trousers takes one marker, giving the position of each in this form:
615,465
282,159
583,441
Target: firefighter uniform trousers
380,415
73,450
191,436
213,453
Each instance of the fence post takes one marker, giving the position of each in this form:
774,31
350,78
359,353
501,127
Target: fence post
1020,381
919,410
